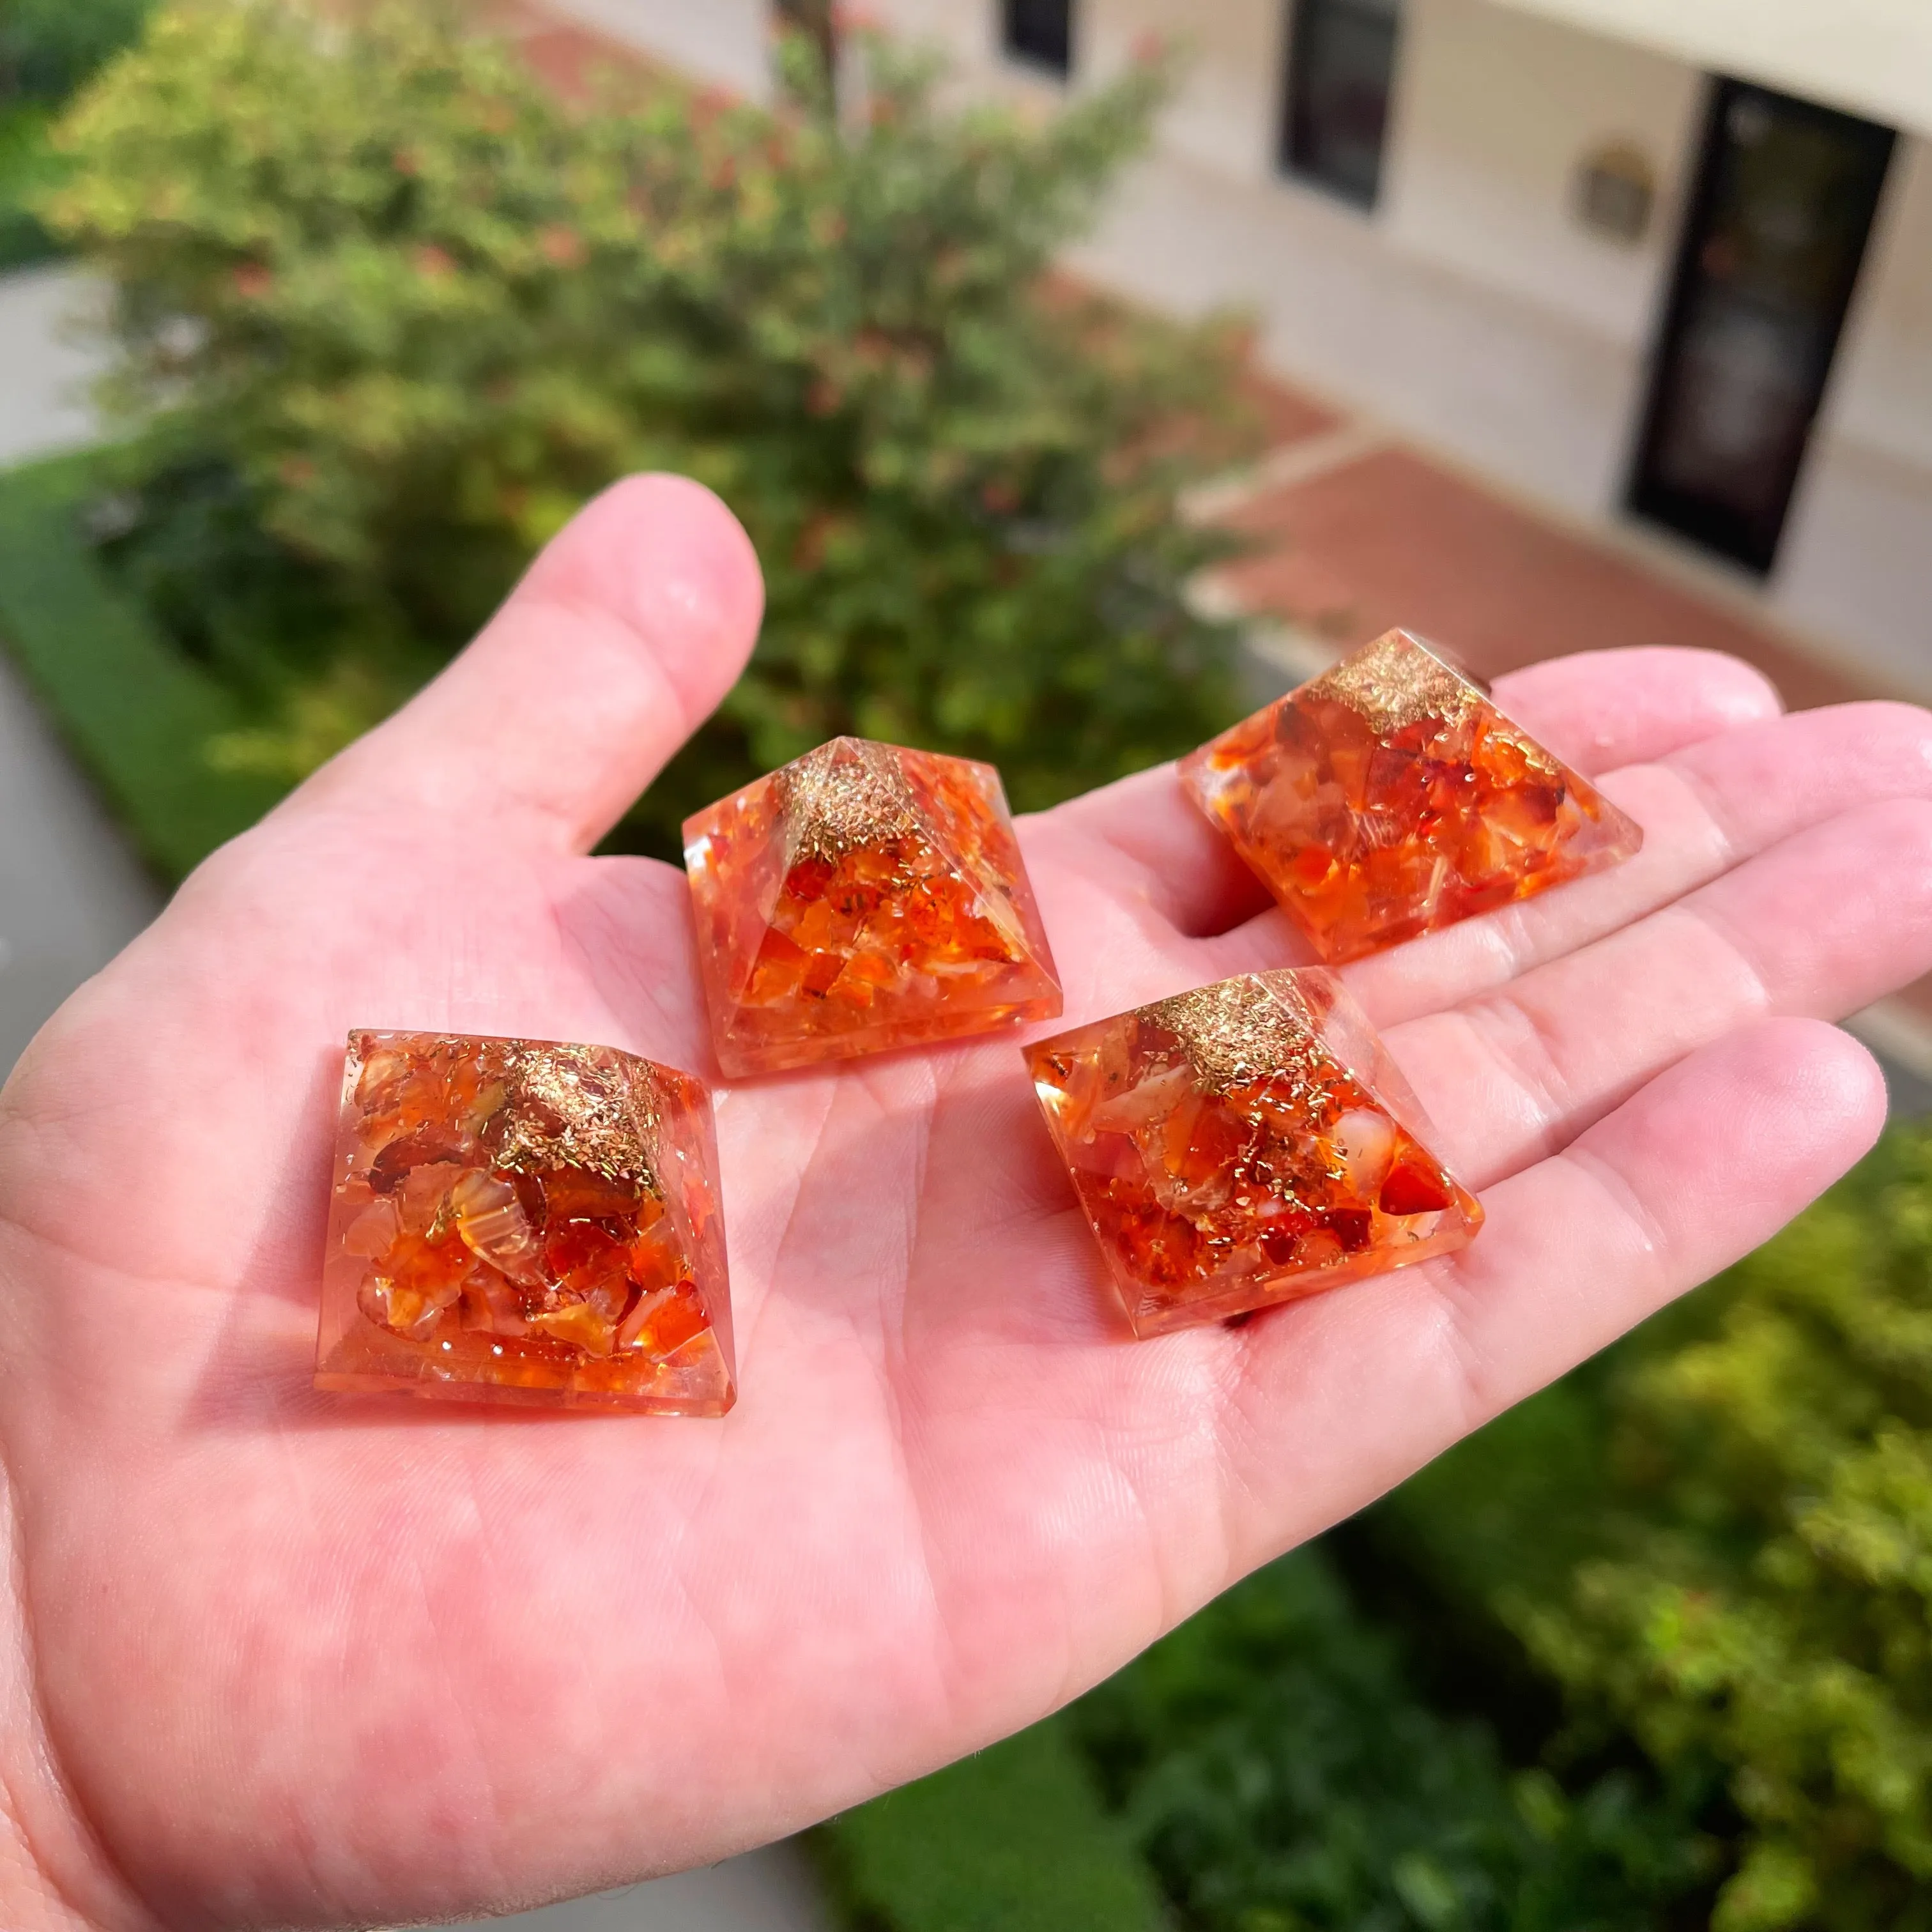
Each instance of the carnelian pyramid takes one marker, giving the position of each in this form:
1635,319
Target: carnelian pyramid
1244,1144
524,1221
863,898
1389,796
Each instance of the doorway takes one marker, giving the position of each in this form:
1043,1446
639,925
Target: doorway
1341,72
1777,230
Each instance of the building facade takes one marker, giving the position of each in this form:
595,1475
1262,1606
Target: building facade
1666,269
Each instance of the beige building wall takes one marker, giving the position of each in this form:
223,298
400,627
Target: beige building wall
722,43
1471,311
1856,565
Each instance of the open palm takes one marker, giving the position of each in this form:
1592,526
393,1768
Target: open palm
287,1657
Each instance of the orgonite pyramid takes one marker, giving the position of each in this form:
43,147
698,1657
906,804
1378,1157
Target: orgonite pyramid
862,898
524,1221
1389,796
1243,1144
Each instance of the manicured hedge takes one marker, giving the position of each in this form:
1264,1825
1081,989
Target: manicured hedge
139,718
1277,1762
1718,1544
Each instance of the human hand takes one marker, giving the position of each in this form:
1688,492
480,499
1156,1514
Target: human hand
277,1656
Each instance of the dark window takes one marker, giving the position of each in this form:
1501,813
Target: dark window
1041,33
1772,247
1341,63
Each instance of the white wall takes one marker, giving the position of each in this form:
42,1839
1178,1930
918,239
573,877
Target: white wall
727,42
1857,558
1471,309
1495,109
1226,118
1508,386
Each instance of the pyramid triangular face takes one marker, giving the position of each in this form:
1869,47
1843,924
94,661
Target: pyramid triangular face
1389,796
1245,1144
863,898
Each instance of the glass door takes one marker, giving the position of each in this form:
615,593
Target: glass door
1776,230
1341,69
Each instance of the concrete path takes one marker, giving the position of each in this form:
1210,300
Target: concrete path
771,1891
70,896
47,363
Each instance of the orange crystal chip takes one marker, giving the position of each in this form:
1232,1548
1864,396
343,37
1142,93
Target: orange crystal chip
1245,1144
521,1220
863,898
1389,796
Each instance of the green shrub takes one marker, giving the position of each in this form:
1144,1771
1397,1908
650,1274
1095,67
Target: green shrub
1758,1607
389,311
47,49
1282,1775
1011,1840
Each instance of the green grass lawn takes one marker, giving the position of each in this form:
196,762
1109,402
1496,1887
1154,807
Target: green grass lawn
136,717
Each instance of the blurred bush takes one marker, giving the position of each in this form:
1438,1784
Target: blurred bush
1761,1609
47,49
1717,1542
1012,1839
1283,1773
1714,1545
389,309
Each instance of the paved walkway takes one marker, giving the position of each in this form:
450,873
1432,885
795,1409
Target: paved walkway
771,1891
47,363
70,896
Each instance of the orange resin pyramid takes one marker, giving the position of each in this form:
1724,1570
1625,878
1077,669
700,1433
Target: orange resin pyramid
863,897
1389,796
522,1221
1245,1144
